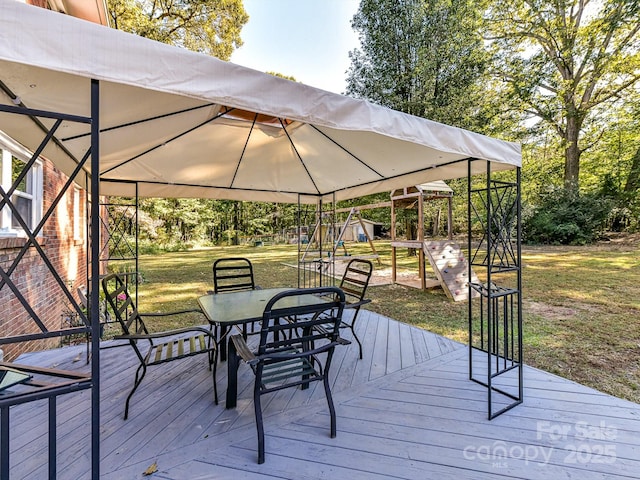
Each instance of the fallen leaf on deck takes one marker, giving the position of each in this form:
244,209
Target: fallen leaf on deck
153,468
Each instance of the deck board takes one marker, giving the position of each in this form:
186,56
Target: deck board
407,410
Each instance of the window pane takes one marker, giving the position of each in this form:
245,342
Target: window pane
23,205
16,169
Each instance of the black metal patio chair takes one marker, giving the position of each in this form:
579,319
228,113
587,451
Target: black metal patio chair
354,283
158,348
233,274
285,356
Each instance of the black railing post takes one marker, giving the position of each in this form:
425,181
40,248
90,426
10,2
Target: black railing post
4,442
52,438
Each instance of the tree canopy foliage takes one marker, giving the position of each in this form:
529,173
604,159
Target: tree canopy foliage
559,76
206,26
423,57
566,62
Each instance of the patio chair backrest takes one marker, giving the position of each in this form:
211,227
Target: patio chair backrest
356,278
232,274
285,328
354,283
115,287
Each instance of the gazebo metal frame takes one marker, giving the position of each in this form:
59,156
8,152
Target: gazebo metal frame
499,340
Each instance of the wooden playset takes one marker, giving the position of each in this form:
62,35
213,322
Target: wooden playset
445,257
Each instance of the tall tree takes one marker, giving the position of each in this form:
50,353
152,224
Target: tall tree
566,61
632,183
207,26
423,57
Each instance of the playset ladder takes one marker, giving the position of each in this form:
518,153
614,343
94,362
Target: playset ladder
451,268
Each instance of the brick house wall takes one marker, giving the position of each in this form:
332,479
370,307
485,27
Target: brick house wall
64,243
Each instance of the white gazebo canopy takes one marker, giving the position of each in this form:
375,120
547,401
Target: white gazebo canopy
174,123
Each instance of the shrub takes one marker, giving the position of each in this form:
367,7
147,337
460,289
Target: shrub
566,217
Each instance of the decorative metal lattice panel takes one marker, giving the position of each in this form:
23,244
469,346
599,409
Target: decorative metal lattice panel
495,315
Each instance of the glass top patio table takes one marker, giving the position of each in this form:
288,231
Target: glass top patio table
246,306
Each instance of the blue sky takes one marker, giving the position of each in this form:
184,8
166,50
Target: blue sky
307,39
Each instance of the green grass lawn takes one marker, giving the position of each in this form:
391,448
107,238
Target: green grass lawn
581,305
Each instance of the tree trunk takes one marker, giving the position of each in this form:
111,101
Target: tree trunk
236,223
633,180
572,154
436,222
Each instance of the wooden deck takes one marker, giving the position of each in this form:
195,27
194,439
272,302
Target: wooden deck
406,411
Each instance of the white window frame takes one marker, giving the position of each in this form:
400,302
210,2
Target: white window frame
12,151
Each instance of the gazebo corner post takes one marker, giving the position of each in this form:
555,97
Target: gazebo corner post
469,270
393,239
320,210
137,230
490,303
497,331
519,281
299,237
95,279
334,240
